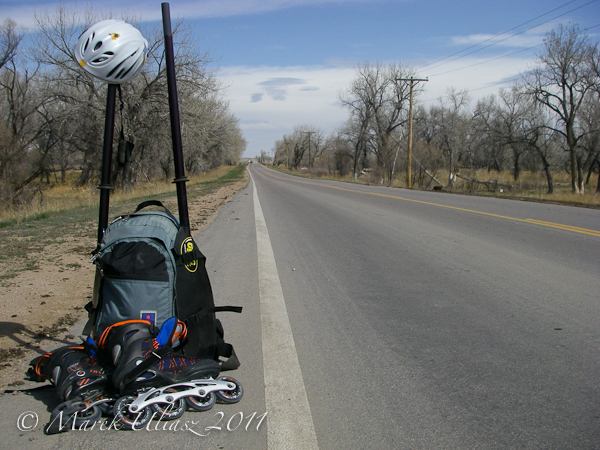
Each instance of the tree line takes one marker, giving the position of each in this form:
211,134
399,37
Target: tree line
547,121
52,112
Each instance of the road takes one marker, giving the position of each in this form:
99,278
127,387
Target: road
379,318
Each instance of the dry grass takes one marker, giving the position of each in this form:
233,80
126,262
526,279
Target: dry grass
530,186
75,217
60,197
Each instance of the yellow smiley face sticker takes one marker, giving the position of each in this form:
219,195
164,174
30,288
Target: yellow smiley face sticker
187,246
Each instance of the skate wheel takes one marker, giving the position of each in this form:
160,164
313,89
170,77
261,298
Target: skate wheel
88,417
202,403
233,396
74,414
168,411
128,420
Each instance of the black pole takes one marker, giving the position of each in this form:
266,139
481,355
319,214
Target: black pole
107,151
180,178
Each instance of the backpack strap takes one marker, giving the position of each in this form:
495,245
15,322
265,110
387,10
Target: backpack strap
155,203
150,203
227,357
195,318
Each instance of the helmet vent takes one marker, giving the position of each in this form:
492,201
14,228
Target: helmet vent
125,74
109,74
98,45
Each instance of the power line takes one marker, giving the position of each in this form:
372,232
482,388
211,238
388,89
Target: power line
435,63
486,61
493,59
487,86
500,34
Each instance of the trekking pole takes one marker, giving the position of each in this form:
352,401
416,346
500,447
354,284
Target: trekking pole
180,178
107,151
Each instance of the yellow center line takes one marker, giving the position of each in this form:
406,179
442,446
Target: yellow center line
564,227
530,221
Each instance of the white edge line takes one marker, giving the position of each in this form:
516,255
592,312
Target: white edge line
289,419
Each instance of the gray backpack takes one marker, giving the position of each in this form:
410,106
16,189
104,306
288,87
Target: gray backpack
151,269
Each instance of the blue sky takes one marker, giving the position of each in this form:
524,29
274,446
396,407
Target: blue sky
285,62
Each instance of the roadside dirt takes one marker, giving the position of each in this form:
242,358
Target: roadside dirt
38,307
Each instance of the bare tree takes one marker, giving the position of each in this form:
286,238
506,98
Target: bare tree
10,38
359,143
487,125
451,121
536,135
52,112
590,141
210,134
26,139
337,156
594,103
561,84
379,96
293,149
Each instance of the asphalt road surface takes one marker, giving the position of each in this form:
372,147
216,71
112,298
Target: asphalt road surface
379,318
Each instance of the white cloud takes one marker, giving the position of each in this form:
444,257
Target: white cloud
277,88
271,101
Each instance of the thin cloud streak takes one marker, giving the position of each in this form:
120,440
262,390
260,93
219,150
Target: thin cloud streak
23,11
501,41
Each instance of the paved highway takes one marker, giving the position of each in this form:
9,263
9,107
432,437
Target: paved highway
379,318
426,320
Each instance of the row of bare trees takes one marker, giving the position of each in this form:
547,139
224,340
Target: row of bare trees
52,112
549,121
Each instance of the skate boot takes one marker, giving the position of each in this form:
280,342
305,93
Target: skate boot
153,380
74,370
79,382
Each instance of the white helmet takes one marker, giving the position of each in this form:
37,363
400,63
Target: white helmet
112,50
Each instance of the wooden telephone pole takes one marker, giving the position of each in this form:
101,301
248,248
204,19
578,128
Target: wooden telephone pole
410,121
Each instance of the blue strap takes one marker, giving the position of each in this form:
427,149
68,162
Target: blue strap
166,332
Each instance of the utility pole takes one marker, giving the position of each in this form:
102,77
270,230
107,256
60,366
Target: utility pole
309,133
410,122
